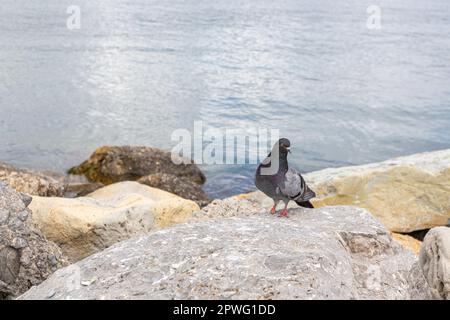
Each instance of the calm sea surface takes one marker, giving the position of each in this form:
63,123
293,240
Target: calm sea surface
137,70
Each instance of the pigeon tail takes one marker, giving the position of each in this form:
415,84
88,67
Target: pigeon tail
309,194
305,204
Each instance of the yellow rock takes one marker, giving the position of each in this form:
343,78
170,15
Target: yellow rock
405,194
85,225
408,242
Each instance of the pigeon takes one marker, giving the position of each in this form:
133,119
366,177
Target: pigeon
280,182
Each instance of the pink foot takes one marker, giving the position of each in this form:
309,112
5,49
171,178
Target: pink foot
273,210
284,213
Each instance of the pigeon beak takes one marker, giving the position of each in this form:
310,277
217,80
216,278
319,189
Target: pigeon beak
288,149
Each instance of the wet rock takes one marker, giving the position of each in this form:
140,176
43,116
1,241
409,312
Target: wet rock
110,164
180,186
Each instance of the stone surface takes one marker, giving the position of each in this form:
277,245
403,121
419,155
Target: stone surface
32,182
435,261
26,257
326,253
111,164
405,194
85,225
253,203
236,206
180,186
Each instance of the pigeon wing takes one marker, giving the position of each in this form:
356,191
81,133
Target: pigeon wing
294,187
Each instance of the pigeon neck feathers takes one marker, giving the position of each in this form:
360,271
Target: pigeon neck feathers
282,163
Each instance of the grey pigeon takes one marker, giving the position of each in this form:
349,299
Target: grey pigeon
280,182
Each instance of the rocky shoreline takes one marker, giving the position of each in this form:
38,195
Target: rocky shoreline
129,224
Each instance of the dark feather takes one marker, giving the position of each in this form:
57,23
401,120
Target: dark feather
306,204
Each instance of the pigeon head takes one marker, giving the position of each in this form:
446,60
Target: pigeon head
284,146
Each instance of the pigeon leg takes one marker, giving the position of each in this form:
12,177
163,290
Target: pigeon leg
274,208
284,213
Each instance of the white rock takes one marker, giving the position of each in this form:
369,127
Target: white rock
326,253
435,261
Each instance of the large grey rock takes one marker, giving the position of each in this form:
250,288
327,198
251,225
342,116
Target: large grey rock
327,253
435,261
26,257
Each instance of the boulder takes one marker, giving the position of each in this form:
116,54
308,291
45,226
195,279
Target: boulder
327,253
85,225
435,261
113,164
31,182
180,186
405,194
26,257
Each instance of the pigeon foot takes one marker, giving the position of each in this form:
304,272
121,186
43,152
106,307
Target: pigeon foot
273,210
284,213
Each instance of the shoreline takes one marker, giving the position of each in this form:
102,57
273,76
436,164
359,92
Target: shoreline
63,172
377,187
